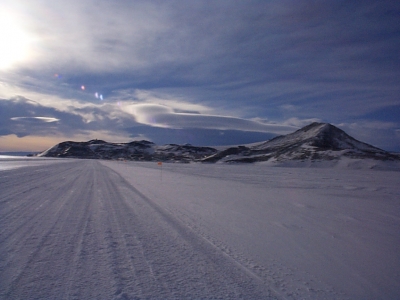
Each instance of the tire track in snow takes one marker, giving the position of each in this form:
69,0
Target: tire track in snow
20,246
27,207
19,207
22,184
42,270
95,236
200,249
88,259
283,281
210,247
117,246
26,177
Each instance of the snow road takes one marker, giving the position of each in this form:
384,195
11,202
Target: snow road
80,231
87,229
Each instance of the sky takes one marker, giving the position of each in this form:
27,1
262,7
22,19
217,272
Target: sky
201,72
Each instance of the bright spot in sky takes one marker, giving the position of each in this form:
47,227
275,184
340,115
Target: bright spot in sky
15,42
82,87
98,96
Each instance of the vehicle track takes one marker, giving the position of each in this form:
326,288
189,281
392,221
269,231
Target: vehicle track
79,230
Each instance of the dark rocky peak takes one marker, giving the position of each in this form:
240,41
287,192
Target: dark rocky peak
317,141
186,148
323,136
95,141
141,144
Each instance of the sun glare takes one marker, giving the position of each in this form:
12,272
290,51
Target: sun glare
14,42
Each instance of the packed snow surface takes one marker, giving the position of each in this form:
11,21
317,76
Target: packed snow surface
8,162
90,229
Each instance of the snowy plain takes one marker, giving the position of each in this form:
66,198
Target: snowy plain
80,229
8,162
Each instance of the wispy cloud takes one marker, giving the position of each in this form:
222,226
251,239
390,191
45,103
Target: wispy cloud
377,133
163,116
41,119
25,117
252,66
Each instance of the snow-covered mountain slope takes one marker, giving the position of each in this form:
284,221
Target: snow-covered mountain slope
317,141
136,150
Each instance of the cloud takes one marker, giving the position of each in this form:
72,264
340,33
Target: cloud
296,122
198,136
163,116
279,51
29,119
177,103
380,134
24,117
254,66
289,107
167,40
89,37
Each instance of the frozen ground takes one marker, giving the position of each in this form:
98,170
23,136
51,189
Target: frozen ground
85,229
8,162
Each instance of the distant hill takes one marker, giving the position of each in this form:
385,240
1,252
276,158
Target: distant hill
136,150
315,142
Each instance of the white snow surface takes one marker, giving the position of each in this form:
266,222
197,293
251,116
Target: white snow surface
89,229
8,162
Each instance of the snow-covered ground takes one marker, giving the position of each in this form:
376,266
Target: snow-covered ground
8,162
103,230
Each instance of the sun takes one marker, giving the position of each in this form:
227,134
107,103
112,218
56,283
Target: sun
15,42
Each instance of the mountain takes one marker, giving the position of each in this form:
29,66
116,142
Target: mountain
136,150
317,141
